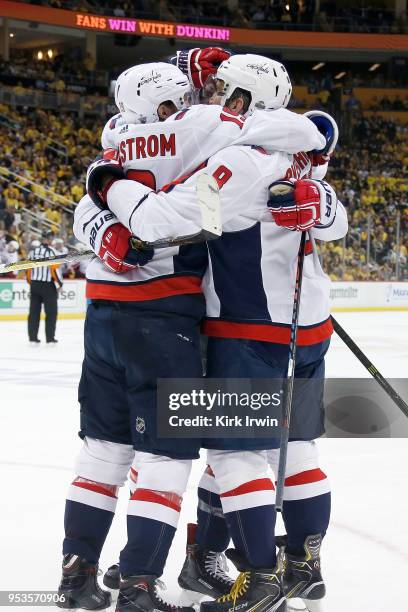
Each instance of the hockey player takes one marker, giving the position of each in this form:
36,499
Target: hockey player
212,534
251,346
246,220
161,302
158,153
197,64
163,278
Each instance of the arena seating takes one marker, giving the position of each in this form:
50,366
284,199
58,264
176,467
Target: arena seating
44,153
264,14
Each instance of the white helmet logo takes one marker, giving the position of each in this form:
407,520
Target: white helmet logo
154,78
260,68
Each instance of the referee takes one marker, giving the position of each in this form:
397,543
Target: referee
43,290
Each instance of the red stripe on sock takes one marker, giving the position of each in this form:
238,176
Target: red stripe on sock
261,484
306,477
133,474
95,487
151,496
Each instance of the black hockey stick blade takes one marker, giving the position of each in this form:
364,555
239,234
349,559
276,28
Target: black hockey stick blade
208,198
390,391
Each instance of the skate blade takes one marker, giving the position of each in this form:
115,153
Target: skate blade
295,605
114,593
191,598
314,605
305,605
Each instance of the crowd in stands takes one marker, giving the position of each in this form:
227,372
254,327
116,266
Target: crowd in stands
66,72
71,74
387,104
40,182
9,251
43,155
317,81
370,176
330,15
55,84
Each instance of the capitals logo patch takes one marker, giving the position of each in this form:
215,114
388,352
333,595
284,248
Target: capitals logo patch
259,68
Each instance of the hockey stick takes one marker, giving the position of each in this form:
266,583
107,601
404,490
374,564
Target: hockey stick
349,342
208,196
209,202
27,264
290,377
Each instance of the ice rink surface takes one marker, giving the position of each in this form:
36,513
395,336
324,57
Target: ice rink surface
365,554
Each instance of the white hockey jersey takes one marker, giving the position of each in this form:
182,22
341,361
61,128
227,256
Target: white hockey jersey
156,154
191,136
109,131
249,284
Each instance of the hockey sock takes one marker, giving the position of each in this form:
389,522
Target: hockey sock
132,479
212,529
89,510
250,514
306,507
151,523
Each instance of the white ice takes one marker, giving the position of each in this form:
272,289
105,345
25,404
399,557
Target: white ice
365,555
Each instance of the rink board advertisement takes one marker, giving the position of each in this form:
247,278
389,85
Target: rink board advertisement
369,296
344,296
15,299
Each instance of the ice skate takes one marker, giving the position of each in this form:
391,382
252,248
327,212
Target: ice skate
143,594
257,589
204,573
111,578
79,585
302,576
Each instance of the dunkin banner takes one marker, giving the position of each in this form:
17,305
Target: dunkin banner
201,32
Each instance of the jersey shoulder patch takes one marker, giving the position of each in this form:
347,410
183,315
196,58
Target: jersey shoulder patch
181,114
114,120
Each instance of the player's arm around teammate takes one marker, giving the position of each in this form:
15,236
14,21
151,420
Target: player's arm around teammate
174,210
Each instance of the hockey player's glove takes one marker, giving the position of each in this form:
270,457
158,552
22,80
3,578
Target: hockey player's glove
303,204
101,174
116,253
328,127
199,64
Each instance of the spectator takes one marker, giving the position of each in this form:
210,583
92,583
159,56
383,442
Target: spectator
9,255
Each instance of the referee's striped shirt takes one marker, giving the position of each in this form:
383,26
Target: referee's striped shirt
46,274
